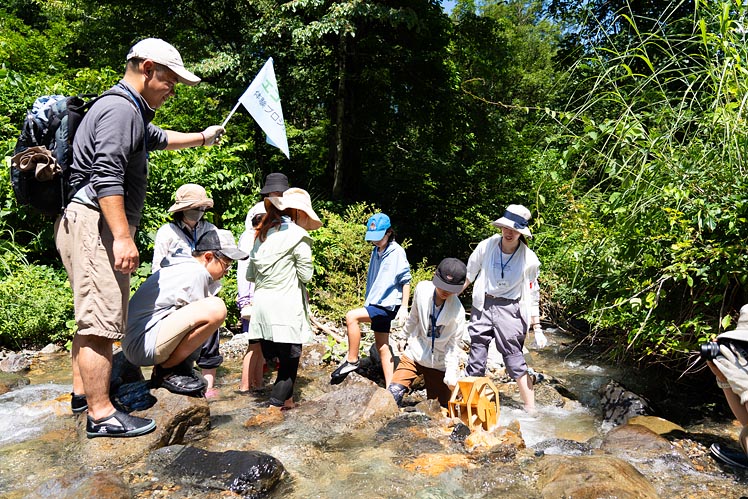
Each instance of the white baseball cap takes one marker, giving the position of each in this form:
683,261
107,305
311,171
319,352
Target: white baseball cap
165,54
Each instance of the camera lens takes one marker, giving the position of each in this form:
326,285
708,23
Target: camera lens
709,350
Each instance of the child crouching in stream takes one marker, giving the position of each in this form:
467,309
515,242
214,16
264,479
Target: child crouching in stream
433,331
174,312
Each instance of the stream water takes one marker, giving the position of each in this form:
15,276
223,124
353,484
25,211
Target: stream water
374,462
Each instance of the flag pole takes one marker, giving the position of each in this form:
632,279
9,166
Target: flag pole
230,114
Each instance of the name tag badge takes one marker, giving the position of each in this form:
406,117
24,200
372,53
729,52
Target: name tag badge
502,285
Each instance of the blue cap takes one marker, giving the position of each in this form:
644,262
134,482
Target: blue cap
376,227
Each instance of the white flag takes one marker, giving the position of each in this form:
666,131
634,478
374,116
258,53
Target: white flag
262,100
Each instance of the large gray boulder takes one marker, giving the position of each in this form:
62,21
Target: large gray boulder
179,419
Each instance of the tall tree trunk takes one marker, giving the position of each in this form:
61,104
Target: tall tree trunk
339,166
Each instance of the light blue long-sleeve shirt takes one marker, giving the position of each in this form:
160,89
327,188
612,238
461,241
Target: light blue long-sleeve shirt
388,272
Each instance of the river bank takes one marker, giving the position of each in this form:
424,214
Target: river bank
330,449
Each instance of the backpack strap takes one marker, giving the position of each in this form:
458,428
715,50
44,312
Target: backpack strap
142,116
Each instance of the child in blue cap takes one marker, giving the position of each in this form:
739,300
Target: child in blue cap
387,295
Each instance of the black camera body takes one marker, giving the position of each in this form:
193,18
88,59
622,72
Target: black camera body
709,351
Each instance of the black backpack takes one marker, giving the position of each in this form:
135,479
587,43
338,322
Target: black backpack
50,123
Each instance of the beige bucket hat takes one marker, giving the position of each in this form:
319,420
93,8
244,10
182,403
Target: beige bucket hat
190,196
298,199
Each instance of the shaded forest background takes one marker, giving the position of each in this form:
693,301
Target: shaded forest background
621,125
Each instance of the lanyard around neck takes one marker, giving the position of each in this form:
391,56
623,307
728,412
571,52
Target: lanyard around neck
190,233
434,317
501,257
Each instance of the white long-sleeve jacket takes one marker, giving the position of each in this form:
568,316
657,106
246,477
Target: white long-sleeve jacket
445,354
480,260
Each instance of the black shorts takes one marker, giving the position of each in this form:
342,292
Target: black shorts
381,318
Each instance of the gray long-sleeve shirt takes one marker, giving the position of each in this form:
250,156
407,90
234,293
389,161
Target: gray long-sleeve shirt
110,153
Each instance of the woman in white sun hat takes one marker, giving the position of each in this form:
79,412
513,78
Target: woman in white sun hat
505,300
280,265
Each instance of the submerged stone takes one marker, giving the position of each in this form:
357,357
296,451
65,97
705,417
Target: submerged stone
592,477
619,404
179,419
15,362
562,446
247,473
459,433
102,485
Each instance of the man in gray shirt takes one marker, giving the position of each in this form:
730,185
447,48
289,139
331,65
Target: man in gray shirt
95,234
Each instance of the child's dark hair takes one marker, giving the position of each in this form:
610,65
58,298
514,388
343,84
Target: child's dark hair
257,219
390,235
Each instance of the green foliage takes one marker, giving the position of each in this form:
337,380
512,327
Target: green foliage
33,39
17,94
341,260
228,293
650,243
36,303
223,170
334,351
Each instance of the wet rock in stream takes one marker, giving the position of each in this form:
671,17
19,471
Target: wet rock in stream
15,362
459,433
179,419
592,477
101,485
620,404
636,441
352,440
562,446
11,381
354,403
247,473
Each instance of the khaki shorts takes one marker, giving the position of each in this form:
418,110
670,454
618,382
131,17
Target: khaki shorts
178,324
100,294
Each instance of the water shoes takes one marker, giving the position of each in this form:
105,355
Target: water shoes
119,424
343,370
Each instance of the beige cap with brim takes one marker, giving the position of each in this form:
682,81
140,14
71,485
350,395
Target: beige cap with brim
165,54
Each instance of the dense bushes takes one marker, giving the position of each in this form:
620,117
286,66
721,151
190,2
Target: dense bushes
36,304
650,247
341,261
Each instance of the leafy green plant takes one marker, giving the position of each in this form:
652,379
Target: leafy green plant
228,294
36,304
341,259
649,250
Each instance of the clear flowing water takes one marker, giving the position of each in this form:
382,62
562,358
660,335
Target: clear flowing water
406,458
